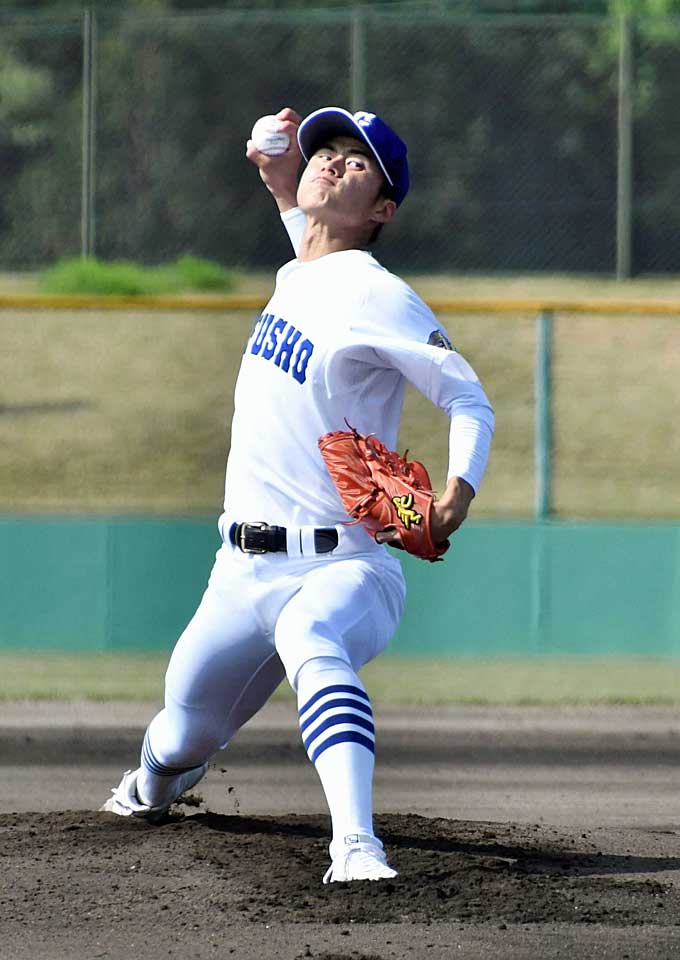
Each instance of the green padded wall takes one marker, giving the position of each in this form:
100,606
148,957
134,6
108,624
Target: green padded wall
504,589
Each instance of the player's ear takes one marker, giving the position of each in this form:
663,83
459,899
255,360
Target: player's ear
383,210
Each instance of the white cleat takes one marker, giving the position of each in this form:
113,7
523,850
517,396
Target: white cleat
361,858
124,801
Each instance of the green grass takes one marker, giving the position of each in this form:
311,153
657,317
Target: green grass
57,676
524,681
87,275
390,680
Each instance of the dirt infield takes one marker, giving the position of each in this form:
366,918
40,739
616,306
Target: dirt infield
522,833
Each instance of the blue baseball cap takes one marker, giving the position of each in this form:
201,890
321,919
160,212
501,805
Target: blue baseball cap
389,150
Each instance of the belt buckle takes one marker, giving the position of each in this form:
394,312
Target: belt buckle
247,527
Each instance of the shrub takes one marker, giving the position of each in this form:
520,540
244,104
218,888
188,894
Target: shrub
204,274
88,275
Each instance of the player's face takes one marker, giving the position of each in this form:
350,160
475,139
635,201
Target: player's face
342,184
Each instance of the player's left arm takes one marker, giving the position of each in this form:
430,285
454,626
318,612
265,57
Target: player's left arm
451,509
472,424
438,371
448,512
450,383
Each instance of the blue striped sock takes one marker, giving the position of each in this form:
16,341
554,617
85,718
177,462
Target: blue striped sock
339,713
336,724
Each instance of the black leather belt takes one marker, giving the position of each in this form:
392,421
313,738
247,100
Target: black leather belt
263,538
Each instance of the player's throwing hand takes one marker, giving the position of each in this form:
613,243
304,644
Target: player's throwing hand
279,174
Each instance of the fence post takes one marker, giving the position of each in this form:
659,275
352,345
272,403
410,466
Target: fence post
543,416
624,165
543,475
87,242
357,60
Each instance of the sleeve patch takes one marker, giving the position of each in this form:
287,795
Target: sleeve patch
439,339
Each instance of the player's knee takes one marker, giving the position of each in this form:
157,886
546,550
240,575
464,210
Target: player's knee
318,672
324,668
299,641
183,737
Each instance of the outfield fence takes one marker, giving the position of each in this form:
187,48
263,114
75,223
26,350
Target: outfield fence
114,427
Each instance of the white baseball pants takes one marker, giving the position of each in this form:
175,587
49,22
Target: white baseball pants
263,617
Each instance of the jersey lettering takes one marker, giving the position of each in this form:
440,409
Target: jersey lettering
304,353
262,326
266,341
283,357
276,328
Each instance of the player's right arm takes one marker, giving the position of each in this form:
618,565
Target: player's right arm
280,174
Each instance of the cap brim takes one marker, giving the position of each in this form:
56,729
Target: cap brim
322,125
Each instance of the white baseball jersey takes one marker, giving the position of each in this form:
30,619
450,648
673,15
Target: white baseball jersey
337,342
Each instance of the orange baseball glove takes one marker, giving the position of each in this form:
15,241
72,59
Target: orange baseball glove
383,490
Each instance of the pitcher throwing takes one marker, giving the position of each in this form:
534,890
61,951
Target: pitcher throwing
295,590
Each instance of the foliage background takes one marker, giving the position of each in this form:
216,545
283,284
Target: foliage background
509,109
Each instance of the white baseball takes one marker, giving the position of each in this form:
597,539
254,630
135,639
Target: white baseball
267,137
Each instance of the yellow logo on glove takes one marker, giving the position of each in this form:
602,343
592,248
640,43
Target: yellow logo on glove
405,510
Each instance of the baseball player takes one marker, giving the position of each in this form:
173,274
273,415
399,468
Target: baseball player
295,591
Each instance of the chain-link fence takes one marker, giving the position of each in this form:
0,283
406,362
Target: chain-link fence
536,143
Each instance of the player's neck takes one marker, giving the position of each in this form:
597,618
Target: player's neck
320,239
